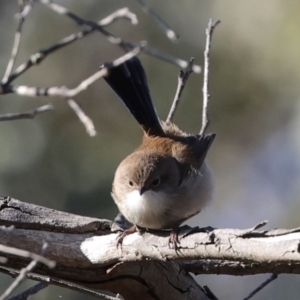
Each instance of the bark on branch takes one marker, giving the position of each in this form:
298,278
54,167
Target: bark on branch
85,252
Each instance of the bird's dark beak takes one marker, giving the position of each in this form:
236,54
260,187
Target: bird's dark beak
143,190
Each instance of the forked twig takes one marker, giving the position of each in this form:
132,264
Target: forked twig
59,282
170,33
26,115
182,79
27,254
260,287
39,56
63,91
24,271
209,31
116,40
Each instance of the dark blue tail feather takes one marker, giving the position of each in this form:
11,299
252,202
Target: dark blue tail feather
129,82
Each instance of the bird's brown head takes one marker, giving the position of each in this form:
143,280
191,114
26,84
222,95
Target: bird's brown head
144,171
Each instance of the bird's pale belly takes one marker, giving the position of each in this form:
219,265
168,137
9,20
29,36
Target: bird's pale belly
158,210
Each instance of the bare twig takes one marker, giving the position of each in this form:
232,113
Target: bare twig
24,271
122,13
86,121
58,282
64,91
170,33
16,45
117,40
81,21
209,31
169,58
182,79
29,292
209,293
26,115
27,254
26,9
260,287
39,56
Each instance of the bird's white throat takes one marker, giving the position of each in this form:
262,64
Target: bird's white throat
143,209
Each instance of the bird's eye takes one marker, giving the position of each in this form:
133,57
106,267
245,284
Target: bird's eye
156,182
130,183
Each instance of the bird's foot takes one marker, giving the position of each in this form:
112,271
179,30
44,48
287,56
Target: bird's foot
126,232
129,231
174,239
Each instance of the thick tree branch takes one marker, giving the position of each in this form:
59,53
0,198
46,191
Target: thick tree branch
93,246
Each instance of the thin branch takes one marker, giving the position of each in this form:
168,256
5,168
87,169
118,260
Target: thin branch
122,13
26,115
61,10
182,79
29,292
168,58
22,253
259,288
23,273
85,120
26,9
209,31
117,40
209,293
64,91
58,282
16,45
39,56
170,33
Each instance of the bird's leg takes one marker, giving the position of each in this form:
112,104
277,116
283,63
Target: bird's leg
174,239
129,231
126,232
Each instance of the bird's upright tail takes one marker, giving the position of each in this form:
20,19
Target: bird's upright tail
129,82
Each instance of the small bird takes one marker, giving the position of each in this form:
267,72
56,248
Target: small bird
165,181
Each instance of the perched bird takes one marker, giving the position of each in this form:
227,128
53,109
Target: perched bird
165,181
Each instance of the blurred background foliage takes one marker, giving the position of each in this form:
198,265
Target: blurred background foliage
254,109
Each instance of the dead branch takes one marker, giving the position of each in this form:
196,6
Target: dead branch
16,45
261,286
23,272
63,91
29,292
86,254
85,120
209,31
182,79
26,115
39,56
170,33
125,45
